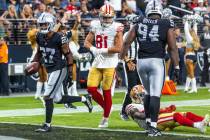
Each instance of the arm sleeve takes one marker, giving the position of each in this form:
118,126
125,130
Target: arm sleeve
74,51
187,33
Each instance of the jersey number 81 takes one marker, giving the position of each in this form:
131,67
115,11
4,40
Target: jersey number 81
101,41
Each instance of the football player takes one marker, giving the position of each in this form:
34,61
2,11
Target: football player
168,119
108,37
42,70
52,46
153,33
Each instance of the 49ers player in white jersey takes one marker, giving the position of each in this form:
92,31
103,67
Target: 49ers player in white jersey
108,37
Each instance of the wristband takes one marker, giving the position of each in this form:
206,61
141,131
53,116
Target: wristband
177,67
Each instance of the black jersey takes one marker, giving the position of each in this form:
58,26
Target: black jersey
152,37
50,50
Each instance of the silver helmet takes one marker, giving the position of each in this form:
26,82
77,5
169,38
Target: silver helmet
154,7
46,22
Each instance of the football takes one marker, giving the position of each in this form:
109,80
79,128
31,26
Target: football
32,68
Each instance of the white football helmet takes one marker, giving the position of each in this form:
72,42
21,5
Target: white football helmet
46,22
167,13
106,15
154,7
137,94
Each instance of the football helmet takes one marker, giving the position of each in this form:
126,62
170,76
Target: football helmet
137,94
106,15
154,7
46,22
167,13
131,18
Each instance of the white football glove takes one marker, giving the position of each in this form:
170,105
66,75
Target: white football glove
99,59
97,51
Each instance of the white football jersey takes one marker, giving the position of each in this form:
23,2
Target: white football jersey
104,38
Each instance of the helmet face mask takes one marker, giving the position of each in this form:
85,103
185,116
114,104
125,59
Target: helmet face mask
106,15
106,21
154,7
46,23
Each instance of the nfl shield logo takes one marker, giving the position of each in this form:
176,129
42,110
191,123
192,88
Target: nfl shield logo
200,60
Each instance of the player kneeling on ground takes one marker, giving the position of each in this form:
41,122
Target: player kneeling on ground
168,118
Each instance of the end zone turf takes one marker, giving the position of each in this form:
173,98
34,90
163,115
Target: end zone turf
63,133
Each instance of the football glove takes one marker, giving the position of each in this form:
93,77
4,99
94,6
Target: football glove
97,51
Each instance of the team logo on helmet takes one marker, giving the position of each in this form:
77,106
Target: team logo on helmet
154,7
46,22
106,15
137,94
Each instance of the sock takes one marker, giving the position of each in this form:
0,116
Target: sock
188,81
48,124
146,105
197,124
83,99
96,95
148,120
194,87
38,89
70,99
194,117
107,102
154,124
49,110
127,100
182,120
154,108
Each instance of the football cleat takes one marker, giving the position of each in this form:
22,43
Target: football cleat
44,128
124,116
88,103
70,105
103,124
153,132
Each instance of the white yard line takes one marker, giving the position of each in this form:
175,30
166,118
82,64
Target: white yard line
82,109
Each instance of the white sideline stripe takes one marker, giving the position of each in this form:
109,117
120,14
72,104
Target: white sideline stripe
83,109
115,130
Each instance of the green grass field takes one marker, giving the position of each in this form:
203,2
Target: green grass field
29,102
91,120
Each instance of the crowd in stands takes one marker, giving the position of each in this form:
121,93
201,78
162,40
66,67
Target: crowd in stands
23,13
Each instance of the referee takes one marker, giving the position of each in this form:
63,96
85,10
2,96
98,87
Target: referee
131,74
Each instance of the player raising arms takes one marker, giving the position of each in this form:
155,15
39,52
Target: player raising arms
108,37
52,46
153,33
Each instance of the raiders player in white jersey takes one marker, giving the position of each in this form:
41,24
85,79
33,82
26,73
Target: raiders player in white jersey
153,33
52,47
